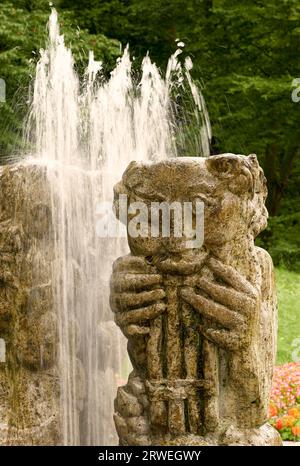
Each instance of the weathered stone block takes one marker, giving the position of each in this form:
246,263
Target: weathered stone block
29,379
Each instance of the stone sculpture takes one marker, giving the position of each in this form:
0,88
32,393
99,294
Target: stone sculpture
201,323
29,386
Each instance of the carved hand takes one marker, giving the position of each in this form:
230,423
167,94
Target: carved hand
136,294
229,308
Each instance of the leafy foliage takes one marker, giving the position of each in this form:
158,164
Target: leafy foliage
147,25
245,54
249,62
23,33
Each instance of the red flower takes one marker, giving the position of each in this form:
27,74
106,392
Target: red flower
279,424
273,411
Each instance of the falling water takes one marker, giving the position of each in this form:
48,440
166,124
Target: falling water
86,137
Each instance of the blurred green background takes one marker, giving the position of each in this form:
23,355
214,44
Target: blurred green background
246,56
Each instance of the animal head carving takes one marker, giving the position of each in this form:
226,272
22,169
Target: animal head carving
231,187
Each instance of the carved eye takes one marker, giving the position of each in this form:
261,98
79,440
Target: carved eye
223,166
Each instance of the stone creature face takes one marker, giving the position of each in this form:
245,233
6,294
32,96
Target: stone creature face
232,188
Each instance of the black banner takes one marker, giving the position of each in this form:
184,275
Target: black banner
141,455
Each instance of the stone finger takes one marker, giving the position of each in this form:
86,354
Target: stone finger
127,301
133,264
230,297
231,276
140,315
133,330
222,338
134,282
212,310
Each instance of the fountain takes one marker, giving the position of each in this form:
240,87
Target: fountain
65,356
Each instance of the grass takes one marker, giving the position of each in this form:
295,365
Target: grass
288,292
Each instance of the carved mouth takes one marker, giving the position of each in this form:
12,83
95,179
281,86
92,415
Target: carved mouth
183,264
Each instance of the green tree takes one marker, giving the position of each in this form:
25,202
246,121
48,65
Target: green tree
245,53
248,55
147,25
23,33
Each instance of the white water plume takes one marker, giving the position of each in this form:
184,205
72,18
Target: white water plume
87,138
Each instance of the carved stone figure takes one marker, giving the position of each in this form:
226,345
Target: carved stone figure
201,323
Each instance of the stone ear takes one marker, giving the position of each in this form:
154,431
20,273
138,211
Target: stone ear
133,176
260,182
234,170
253,159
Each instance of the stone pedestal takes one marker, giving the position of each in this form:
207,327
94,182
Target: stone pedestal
201,322
29,384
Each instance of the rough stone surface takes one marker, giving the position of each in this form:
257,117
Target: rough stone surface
201,323
29,388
